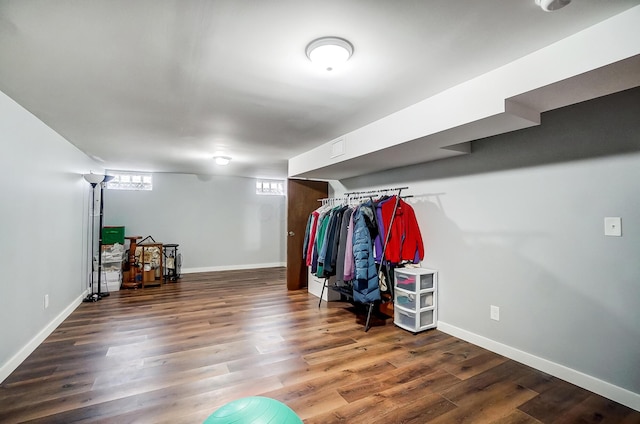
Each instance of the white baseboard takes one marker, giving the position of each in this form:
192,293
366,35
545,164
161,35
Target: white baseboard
608,390
15,361
232,267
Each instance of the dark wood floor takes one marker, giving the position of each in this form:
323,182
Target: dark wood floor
176,353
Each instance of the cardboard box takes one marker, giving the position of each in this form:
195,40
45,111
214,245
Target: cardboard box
149,276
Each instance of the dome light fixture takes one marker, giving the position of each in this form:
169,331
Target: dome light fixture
95,179
552,5
329,52
222,160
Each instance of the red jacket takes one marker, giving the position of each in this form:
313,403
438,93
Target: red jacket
405,242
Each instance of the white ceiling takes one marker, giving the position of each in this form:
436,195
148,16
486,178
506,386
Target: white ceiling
162,86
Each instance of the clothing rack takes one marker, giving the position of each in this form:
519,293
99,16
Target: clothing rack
333,200
371,192
362,195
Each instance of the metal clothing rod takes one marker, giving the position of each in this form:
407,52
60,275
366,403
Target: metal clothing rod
375,191
352,195
333,200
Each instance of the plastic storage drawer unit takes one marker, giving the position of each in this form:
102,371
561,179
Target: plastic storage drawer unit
415,300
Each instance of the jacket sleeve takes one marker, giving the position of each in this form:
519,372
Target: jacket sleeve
349,272
393,225
382,235
312,238
305,243
413,247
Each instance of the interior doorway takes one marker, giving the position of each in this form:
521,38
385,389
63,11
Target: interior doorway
302,199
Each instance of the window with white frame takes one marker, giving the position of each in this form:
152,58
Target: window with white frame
270,187
130,180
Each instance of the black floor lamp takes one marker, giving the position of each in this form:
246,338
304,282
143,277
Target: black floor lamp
94,180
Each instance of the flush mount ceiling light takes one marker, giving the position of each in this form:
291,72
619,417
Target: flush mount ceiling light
329,52
222,160
552,5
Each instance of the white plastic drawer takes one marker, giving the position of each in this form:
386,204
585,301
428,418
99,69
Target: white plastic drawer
404,318
413,279
406,282
426,281
426,300
405,299
426,318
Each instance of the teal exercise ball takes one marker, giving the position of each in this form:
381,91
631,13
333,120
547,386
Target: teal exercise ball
254,410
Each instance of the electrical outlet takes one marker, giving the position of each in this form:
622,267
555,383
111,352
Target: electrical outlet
495,313
46,301
613,226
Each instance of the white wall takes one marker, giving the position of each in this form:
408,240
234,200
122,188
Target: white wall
218,221
43,219
519,224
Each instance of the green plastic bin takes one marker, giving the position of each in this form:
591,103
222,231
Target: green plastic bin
112,235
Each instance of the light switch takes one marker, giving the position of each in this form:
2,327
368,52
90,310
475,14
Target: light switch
612,226
495,313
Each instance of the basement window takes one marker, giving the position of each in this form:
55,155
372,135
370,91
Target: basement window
130,181
270,187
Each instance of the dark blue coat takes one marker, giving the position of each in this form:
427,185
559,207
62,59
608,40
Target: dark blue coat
365,285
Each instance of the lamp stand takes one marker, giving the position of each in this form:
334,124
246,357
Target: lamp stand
100,294
95,179
93,297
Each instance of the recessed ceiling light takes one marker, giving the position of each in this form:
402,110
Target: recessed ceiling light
329,52
552,5
222,160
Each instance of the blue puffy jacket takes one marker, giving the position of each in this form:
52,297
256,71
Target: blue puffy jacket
365,285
